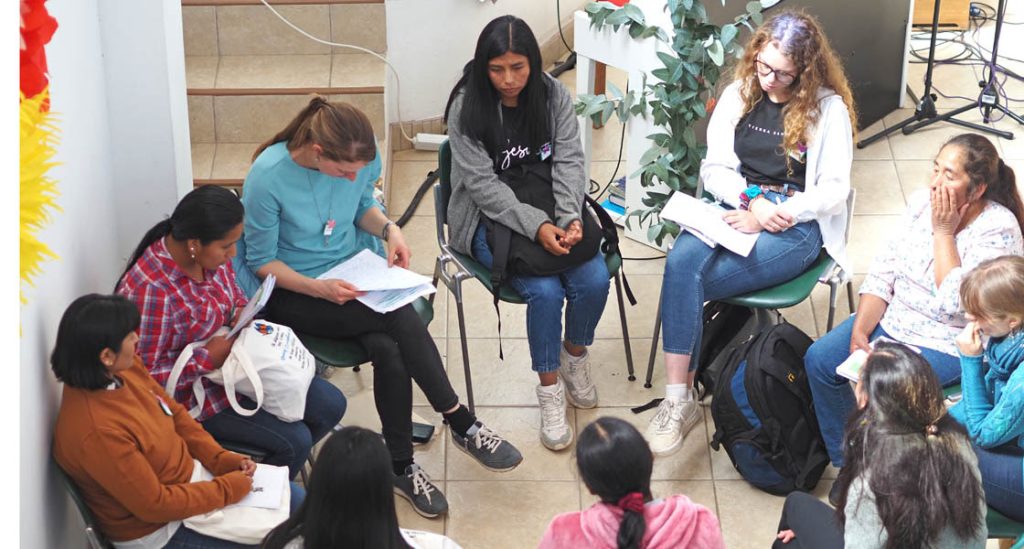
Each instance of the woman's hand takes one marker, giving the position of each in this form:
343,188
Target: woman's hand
218,348
785,536
742,221
398,251
573,234
969,340
859,340
946,212
550,237
248,467
337,291
770,216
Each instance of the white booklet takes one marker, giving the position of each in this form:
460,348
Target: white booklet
268,485
387,288
704,220
258,301
851,367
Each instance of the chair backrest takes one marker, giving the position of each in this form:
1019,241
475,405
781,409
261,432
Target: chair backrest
444,181
92,530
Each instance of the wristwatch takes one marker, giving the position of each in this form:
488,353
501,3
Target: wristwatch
385,230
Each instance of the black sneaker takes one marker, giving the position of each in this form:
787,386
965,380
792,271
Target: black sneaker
487,448
415,486
833,494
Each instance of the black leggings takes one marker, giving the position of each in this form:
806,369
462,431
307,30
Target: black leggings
400,349
813,522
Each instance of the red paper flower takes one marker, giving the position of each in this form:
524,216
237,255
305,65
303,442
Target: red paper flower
619,3
37,27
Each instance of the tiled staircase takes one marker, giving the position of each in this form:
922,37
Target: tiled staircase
248,73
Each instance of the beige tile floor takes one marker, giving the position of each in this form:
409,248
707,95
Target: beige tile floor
492,510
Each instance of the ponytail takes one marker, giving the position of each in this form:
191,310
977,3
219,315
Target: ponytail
983,166
633,525
157,232
344,132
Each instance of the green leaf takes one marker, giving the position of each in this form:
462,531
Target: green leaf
716,53
661,74
660,34
689,137
650,155
606,113
616,92
758,18
729,32
617,18
687,4
654,232
634,13
753,7
660,139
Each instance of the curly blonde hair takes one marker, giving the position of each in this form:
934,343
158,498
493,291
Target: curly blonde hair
798,36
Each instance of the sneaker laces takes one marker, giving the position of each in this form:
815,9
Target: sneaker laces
487,439
421,483
663,418
553,414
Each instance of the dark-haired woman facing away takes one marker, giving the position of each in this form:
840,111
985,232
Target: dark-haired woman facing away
910,479
129,449
181,279
309,206
505,113
351,506
615,463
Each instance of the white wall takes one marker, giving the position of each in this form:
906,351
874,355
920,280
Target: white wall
430,41
105,135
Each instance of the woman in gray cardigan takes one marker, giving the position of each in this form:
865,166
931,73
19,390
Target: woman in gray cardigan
506,113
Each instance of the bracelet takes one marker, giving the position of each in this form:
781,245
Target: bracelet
385,230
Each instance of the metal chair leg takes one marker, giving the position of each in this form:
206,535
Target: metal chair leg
625,327
849,296
654,345
465,353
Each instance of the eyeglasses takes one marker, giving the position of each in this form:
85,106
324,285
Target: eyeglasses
781,77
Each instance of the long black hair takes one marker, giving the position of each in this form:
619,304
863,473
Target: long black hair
615,461
349,500
91,324
206,213
984,167
913,452
478,117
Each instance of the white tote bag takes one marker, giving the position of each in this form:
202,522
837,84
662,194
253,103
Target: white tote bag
267,363
238,523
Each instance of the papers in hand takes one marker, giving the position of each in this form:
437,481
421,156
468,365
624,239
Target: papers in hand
259,299
268,486
387,288
704,221
852,366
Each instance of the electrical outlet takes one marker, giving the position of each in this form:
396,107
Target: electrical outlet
428,141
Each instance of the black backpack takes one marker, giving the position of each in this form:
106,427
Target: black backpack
726,326
764,415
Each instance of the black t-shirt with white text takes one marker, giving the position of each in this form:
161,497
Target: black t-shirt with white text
758,144
515,148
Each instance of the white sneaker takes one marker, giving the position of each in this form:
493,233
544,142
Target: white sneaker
575,372
670,424
555,431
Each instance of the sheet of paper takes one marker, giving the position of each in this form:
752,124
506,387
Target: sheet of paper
259,299
369,271
696,215
851,367
267,486
385,301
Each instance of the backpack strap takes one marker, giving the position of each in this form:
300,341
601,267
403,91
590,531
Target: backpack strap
499,271
610,243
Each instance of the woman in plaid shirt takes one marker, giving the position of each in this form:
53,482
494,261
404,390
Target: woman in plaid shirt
181,279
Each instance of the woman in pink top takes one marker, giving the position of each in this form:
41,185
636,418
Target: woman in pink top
615,463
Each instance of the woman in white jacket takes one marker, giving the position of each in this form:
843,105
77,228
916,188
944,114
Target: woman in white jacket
780,145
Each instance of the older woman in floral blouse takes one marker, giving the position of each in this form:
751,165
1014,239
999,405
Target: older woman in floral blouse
971,212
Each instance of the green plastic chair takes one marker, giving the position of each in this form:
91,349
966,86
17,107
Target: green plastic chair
824,270
453,268
93,535
1005,529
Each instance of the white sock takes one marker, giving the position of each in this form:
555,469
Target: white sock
550,389
575,360
678,392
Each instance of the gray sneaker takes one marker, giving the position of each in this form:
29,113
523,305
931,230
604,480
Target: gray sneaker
415,486
555,431
488,448
575,373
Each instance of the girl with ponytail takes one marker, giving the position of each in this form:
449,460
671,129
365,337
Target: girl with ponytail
910,479
615,464
182,281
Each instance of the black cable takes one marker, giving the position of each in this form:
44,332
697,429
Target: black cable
558,16
410,210
662,256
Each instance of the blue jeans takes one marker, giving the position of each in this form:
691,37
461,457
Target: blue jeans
186,538
584,288
695,273
1002,477
285,443
833,396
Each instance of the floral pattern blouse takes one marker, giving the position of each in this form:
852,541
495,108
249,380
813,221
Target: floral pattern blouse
904,273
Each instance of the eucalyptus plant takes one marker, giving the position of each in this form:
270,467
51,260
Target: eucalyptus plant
678,96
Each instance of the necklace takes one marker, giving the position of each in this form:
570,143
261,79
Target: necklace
329,222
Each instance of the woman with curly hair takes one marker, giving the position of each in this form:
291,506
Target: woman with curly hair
780,146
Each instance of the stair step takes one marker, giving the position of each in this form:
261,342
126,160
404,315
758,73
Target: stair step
226,164
251,29
324,73
274,3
